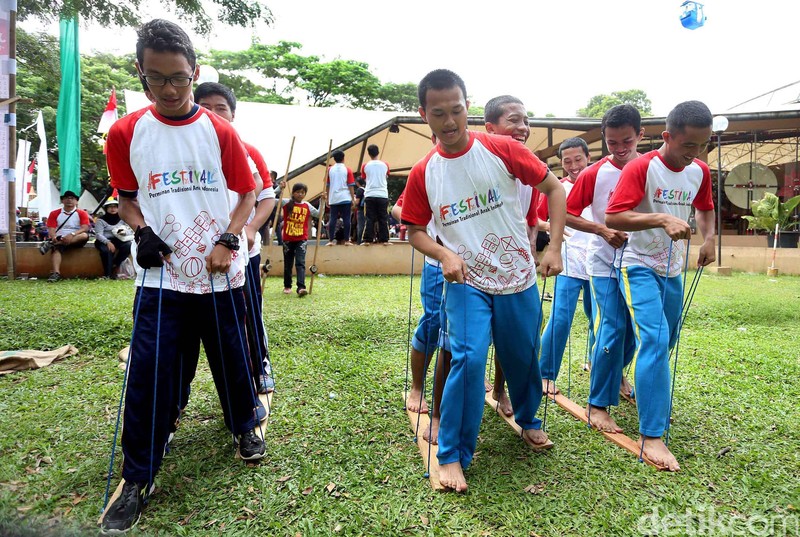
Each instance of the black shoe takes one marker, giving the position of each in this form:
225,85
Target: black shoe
124,513
251,447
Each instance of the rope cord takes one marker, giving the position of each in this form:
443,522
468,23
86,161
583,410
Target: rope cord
122,393
245,357
408,333
660,324
155,382
219,348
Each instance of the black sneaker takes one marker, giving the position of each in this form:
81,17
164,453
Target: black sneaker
124,513
251,447
54,277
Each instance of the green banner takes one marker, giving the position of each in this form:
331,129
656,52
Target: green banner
68,117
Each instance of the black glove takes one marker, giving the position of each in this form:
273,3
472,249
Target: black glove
150,249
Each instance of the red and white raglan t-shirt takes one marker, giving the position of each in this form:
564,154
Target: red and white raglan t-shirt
257,164
593,189
181,172
340,178
649,185
72,222
472,199
374,173
575,248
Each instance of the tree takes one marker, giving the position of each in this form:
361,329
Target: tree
39,78
287,73
600,104
244,13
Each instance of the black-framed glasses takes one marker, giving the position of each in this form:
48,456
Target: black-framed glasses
176,81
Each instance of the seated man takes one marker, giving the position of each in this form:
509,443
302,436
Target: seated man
67,228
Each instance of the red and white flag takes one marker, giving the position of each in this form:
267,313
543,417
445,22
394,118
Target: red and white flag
110,114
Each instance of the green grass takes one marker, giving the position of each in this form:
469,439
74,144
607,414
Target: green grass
340,436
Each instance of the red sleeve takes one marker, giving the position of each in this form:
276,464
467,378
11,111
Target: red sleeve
118,152
52,218
704,201
543,210
582,193
83,217
364,171
416,207
520,161
234,159
400,198
531,218
351,179
261,165
630,189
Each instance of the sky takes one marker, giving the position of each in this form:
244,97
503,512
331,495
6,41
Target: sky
553,55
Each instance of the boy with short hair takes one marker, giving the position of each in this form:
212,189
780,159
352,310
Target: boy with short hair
621,128
574,155
467,184
653,201
340,184
173,163
220,99
376,197
506,115
297,215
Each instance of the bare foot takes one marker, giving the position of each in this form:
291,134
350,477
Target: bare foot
331,243
657,451
503,403
416,403
431,434
601,420
451,476
537,439
549,387
487,385
586,366
349,243
625,389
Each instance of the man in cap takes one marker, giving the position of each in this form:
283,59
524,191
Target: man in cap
67,228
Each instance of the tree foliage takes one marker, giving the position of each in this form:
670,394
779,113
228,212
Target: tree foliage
39,79
244,13
600,104
288,76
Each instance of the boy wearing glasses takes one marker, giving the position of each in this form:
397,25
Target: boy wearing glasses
173,164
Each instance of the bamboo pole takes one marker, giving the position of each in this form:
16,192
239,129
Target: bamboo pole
278,200
319,221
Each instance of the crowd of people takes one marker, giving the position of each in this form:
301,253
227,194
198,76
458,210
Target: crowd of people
196,196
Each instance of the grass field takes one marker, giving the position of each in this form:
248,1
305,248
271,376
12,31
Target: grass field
340,457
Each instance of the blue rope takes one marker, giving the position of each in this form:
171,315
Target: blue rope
552,343
442,329
122,393
408,333
256,316
426,361
595,347
155,380
222,363
660,324
243,346
681,318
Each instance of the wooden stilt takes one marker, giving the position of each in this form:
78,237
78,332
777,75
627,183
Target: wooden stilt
620,439
511,421
420,423
322,199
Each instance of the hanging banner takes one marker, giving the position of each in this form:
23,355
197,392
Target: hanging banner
68,116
